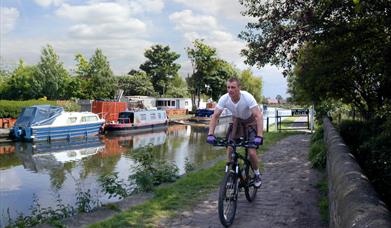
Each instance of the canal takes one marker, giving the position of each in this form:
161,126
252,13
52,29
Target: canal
49,173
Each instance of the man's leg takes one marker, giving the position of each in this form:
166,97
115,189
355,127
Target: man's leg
229,152
252,152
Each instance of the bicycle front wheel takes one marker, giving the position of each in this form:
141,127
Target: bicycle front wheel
228,196
249,189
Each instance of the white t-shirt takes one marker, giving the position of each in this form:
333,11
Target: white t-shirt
242,108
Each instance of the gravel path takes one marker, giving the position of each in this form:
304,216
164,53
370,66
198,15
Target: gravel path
287,198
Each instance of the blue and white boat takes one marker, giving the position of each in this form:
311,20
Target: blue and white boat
45,122
204,116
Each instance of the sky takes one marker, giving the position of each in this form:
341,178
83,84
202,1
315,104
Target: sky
124,29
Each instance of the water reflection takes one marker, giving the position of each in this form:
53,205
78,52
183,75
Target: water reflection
57,168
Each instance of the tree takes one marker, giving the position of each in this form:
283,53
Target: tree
216,80
22,84
279,98
343,39
251,84
202,58
177,88
101,82
51,75
83,77
160,66
136,84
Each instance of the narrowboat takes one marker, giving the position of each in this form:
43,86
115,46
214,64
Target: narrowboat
138,121
46,122
204,115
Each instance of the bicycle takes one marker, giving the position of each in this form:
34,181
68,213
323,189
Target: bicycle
239,174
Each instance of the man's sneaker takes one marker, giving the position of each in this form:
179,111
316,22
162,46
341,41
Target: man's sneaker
257,181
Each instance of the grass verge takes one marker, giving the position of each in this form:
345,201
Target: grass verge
324,201
180,195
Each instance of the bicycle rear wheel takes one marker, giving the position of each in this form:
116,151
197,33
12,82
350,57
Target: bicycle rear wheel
228,196
249,189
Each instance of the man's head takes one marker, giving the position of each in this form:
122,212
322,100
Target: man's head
233,88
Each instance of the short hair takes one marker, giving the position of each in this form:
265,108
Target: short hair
234,79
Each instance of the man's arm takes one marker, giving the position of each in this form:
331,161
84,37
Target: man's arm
213,120
259,118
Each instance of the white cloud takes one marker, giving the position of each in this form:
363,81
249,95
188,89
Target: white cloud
102,12
186,21
8,17
140,6
228,8
102,20
108,30
122,54
46,3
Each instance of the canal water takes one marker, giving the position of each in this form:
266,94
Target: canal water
49,172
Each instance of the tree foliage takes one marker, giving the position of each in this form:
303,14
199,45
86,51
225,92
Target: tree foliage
160,66
203,58
136,84
251,84
177,88
335,46
51,77
216,80
101,81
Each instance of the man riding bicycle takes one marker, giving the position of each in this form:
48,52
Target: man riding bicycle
247,122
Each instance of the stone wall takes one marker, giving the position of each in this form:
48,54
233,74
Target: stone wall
352,200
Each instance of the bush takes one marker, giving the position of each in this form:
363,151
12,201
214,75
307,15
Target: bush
370,143
318,152
12,109
151,171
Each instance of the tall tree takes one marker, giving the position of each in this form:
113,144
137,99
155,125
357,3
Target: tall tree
344,37
251,84
22,85
137,84
102,83
202,58
51,75
177,88
160,66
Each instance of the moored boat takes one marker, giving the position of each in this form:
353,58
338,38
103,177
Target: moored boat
138,121
45,122
204,116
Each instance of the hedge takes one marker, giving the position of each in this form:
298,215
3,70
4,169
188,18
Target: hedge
12,109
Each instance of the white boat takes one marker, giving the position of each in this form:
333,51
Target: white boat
138,121
45,122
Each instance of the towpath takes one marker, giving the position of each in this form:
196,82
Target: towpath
287,198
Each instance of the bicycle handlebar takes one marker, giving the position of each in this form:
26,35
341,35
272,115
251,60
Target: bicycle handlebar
234,143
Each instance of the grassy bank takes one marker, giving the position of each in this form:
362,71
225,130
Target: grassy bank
180,195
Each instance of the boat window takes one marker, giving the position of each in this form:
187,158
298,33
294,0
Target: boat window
28,112
153,116
143,116
71,120
89,119
159,115
172,103
186,103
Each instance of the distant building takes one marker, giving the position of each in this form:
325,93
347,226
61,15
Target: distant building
271,101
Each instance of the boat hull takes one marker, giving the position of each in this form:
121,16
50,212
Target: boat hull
130,128
48,133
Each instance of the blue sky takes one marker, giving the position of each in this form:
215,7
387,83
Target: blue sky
124,29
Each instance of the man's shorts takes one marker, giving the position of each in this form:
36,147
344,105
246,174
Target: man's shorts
250,135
